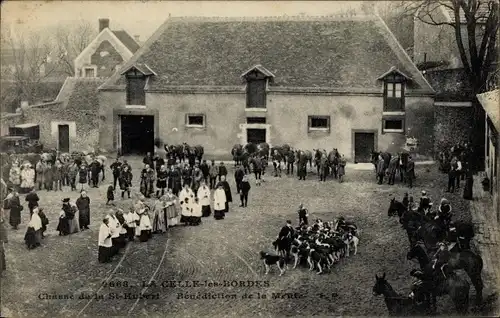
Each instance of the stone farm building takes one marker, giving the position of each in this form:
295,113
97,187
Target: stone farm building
107,52
326,82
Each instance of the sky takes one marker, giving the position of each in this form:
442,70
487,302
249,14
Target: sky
144,17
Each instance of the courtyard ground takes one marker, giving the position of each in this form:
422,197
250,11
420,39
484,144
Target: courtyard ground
219,253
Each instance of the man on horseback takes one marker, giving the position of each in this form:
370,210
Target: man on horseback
441,259
421,288
424,205
444,212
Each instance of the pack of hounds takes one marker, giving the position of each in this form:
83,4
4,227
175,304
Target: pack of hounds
319,246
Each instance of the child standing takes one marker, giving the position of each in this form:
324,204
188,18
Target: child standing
110,195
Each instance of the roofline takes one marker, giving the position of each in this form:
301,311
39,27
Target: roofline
331,17
142,49
394,69
446,14
404,58
95,40
260,68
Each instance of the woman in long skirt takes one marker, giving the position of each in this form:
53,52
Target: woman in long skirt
172,209
74,224
159,216
15,210
33,236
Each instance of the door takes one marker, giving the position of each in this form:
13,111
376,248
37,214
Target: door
256,136
63,138
364,144
137,134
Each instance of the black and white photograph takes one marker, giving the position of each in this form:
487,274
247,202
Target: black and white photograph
250,158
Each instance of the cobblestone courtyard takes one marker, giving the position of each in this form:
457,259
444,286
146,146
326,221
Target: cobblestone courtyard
222,252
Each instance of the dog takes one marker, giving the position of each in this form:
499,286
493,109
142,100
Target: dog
315,259
351,239
270,260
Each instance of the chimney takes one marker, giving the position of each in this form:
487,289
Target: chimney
137,38
103,24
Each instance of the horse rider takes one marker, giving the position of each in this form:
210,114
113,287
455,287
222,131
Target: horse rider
424,203
421,286
444,211
441,258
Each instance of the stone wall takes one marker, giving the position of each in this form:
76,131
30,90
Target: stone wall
287,117
10,120
452,125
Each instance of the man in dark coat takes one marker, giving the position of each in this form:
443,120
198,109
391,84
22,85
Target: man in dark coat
205,170
149,160
187,175
83,205
244,190
32,199
391,170
380,170
410,171
95,168
222,171
125,181
68,214
469,182
238,177
227,191
425,203
174,180
14,204
116,168
290,161
452,175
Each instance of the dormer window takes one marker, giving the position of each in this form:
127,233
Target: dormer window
137,77
257,79
394,90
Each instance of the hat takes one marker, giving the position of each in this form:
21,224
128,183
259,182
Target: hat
65,200
424,192
445,201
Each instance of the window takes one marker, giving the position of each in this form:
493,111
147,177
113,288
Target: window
89,72
393,96
256,120
256,93
135,90
195,120
393,125
321,123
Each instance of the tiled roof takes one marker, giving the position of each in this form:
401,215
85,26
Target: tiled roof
490,101
328,51
481,14
450,85
127,40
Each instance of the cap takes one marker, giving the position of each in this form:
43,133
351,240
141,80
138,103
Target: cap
65,200
424,192
445,201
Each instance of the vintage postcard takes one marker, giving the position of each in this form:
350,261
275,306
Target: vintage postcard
249,158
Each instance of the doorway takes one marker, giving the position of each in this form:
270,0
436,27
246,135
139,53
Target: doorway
63,144
137,134
256,136
364,144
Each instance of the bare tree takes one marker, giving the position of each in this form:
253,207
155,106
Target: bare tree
475,27
70,41
30,63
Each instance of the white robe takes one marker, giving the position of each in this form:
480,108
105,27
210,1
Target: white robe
114,226
104,236
35,222
186,194
131,219
144,224
28,178
187,209
196,210
219,200
204,196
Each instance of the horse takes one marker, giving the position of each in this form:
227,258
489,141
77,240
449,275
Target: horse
449,283
251,148
199,151
304,156
432,232
333,161
263,150
412,221
396,208
467,260
237,152
397,305
318,154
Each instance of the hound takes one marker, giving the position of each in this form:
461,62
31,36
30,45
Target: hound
351,239
270,260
